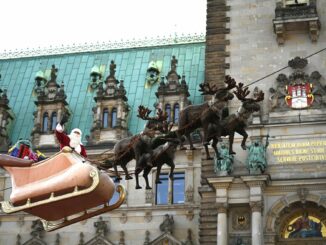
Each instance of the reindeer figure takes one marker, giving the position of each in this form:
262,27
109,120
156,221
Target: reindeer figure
133,147
196,116
235,122
164,148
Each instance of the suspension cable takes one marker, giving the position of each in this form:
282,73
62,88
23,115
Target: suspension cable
282,68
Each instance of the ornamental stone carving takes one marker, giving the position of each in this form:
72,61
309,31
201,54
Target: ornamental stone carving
296,15
298,90
6,116
167,224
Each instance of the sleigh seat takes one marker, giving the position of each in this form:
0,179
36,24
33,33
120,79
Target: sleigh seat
57,188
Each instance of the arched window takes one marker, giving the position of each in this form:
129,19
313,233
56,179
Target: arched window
53,120
105,120
168,112
176,111
45,124
114,118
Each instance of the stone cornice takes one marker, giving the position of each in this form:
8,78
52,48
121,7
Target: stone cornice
220,182
255,181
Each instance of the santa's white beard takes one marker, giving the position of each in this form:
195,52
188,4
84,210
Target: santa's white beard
75,143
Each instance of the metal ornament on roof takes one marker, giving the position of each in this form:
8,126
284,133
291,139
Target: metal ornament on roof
90,47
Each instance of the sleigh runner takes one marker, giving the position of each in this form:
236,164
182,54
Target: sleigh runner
61,190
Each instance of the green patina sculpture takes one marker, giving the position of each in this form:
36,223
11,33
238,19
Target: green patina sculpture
225,160
257,156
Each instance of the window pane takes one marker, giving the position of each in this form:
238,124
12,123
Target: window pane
176,113
105,118
179,188
162,190
168,112
45,122
114,118
53,120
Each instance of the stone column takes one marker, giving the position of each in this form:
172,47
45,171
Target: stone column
256,223
221,185
222,225
256,184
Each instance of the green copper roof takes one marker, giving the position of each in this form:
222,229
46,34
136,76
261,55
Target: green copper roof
17,76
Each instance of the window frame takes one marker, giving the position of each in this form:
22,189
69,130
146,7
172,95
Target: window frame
170,191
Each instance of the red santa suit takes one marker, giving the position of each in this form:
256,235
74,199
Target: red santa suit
73,140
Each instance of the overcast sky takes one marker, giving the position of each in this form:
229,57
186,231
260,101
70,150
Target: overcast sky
41,23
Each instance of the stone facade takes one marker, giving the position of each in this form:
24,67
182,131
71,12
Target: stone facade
245,206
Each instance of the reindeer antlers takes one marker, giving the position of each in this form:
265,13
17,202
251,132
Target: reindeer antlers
143,113
206,88
242,93
230,82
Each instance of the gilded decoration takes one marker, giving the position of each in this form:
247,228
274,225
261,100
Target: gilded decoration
298,90
241,219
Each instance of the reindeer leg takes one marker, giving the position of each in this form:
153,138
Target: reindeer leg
172,166
137,171
118,178
124,167
231,138
208,157
190,142
244,134
214,145
145,175
158,172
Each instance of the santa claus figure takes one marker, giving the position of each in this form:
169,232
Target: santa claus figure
72,140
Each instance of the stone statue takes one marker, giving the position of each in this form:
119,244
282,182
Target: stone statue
257,156
101,227
167,224
304,227
224,162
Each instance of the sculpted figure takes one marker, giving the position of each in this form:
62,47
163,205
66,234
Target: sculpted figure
225,160
257,156
304,227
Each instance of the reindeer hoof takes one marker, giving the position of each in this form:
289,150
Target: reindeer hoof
138,187
148,188
244,147
128,177
232,153
117,179
158,182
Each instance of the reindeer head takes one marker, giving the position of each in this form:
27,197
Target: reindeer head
249,104
220,94
158,123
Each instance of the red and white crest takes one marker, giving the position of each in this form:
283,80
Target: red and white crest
299,96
